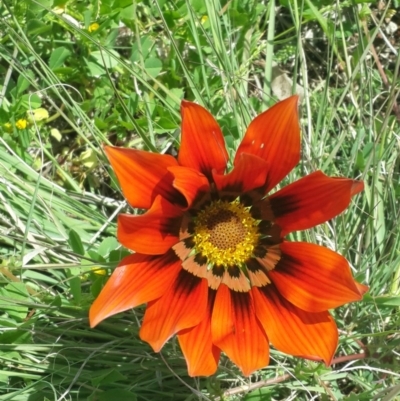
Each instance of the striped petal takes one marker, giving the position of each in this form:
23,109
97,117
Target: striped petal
143,175
137,279
314,278
190,183
310,201
202,144
183,306
201,354
236,330
294,331
275,137
153,232
249,172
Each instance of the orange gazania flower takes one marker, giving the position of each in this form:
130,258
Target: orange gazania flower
211,259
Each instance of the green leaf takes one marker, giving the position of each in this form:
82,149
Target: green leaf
107,245
10,298
94,69
75,284
105,58
22,84
153,66
146,44
36,27
107,376
258,395
75,242
28,102
116,394
87,17
40,5
117,256
127,13
58,57
387,300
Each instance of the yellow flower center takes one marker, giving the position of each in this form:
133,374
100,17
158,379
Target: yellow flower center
225,233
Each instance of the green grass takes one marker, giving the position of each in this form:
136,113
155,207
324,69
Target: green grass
122,84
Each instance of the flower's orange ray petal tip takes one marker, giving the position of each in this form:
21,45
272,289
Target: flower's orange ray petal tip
293,99
110,150
357,187
289,105
315,358
186,103
94,319
201,371
361,288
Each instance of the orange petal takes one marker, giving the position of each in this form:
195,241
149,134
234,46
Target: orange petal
138,279
312,200
249,172
153,232
190,183
362,288
196,343
202,143
314,278
275,137
294,331
143,175
184,305
237,332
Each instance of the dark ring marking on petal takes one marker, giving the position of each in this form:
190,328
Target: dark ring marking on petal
255,212
181,250
272,237
184,231
200,203
253,266
201,259
257,274
262,210
191,265
189,242
228,196
271,259
235,280
193,212
264,227
191,227
234,271
218,271
260,251
214,277
282,205
186,282
249,198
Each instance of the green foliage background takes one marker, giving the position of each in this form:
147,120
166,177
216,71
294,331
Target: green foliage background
77,86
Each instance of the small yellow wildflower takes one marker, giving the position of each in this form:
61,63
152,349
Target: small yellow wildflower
98,271
7,127
21,123
93,27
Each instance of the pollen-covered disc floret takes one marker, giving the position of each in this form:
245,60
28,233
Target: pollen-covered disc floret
225,233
